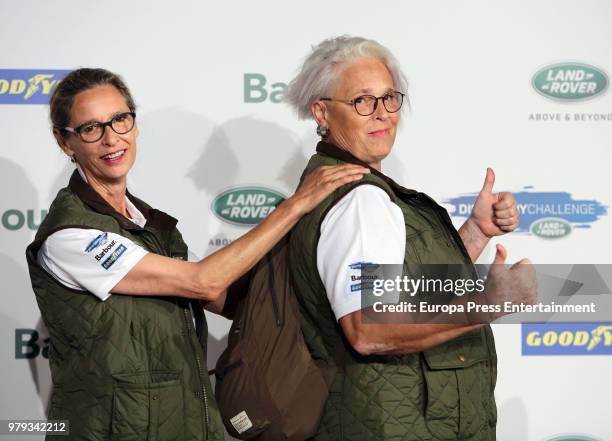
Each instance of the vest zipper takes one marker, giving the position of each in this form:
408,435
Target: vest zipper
202,392
203,397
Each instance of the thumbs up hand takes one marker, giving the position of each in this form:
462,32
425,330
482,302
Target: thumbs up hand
494,213
509,286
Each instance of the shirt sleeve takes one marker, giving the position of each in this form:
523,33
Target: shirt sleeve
364,226
89,260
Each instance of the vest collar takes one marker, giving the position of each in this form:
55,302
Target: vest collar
155,218
333,151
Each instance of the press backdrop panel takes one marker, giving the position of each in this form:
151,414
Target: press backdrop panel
208,78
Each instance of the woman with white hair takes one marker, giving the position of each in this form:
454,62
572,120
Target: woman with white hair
393,381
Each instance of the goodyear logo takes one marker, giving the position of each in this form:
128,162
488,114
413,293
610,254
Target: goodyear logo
246,205
548,215
570,81
28,86
362,286
115,255
567,338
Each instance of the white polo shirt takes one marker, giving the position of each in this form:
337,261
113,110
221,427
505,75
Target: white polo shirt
364,226
89,259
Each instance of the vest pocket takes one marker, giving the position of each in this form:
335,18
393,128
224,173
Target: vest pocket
148,406
458,385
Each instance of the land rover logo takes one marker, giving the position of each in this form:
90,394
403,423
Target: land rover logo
570,81
551,228
246,205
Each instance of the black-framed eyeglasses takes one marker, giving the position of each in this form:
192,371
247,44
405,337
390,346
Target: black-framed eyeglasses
94,131
365,105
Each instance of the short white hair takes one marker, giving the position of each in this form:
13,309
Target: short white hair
319,72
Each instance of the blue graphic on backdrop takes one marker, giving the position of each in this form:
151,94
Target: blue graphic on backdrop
28,86
548,215
566,338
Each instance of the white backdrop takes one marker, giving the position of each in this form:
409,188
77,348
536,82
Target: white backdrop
470,65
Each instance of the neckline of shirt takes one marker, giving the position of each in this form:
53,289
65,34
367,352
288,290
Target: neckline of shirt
135,215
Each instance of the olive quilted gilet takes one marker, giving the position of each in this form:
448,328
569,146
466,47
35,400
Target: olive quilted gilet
444,393
130,367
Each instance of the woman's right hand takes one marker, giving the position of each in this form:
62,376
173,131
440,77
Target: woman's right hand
321,182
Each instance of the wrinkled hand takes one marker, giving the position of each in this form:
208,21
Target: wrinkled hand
516,285
494,213
322,181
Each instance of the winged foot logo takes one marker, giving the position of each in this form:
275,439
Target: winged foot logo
28,86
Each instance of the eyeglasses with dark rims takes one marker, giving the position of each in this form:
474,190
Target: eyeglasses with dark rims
94,131
365,105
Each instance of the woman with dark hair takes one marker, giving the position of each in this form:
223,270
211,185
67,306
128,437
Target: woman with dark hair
120,301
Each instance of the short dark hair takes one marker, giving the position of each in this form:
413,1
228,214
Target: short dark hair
79,81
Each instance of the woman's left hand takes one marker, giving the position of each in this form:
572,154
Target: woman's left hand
494,213
322,181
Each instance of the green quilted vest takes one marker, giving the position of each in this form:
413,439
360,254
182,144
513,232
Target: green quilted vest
444,393
131,367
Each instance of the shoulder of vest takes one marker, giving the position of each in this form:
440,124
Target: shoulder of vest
68,211
318,160
310,224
